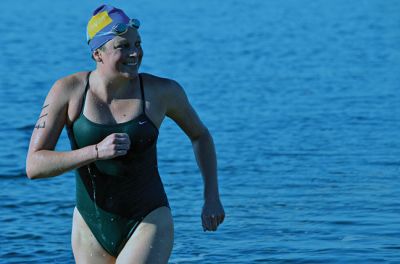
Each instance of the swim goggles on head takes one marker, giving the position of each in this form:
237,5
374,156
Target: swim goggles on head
121,28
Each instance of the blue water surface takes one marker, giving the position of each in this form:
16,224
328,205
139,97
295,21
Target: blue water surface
301,97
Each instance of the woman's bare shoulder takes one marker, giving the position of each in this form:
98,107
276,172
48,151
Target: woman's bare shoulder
72,83
161,85
67,89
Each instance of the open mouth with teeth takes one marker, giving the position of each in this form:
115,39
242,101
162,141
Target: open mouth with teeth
131,63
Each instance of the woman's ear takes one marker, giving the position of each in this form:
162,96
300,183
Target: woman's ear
97,55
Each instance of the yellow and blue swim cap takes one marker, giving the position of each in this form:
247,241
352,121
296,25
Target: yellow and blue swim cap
106,23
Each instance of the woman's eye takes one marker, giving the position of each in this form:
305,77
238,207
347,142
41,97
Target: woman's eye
138,44
121,46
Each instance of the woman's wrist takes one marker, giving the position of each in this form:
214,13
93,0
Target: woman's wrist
96,150
211,196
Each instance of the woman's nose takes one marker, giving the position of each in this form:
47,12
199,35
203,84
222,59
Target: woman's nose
133,51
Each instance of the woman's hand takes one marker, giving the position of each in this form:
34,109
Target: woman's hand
112,146
213,215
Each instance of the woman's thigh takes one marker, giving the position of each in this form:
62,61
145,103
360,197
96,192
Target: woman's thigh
152,241
85,247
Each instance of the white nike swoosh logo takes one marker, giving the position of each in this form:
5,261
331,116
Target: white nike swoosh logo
142,122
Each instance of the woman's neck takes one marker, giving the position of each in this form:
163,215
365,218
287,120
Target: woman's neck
107,88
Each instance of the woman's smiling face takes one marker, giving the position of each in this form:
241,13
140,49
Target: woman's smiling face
123,54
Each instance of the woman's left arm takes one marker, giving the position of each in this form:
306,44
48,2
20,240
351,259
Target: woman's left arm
179,109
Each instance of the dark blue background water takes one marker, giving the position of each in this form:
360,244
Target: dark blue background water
301,98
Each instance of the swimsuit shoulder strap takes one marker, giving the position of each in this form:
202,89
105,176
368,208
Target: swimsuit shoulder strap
86,89
142,91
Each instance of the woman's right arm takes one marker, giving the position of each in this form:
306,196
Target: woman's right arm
42,161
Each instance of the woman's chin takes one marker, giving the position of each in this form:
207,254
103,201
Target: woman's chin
129,74
129,71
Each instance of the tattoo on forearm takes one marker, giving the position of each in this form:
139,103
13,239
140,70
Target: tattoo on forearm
42,124
43,115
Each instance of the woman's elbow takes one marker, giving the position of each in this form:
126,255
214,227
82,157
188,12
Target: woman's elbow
30,169
204,133
30,172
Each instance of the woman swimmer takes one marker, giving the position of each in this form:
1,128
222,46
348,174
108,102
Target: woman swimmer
112,116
